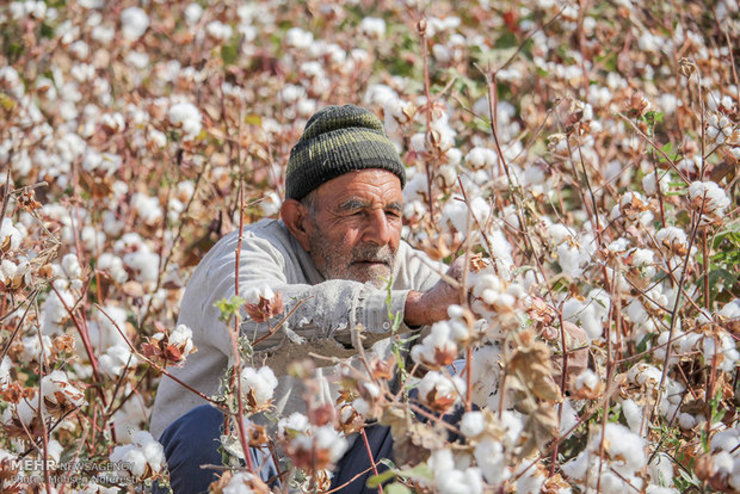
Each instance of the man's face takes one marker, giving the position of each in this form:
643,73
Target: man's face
355,226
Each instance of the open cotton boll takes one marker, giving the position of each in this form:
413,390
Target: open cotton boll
116,359
71,266
219,31
661,471
473,424
186,116
58,390
440,392
450,480
480,157
633,414
54,313
491,459
10,236
712,196
134,22
5,366
145,264
295,423
259,385
144,457
373,27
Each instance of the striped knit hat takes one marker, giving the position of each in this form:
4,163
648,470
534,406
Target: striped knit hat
336,140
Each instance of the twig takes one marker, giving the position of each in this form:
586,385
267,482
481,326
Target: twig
156,366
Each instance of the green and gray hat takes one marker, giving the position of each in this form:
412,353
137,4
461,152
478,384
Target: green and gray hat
336,140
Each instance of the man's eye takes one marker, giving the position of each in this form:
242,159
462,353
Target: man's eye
393,213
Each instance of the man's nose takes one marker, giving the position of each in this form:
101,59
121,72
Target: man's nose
378,230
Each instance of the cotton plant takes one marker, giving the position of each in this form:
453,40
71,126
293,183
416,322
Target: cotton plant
589,202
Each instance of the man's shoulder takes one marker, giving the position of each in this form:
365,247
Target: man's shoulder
267,230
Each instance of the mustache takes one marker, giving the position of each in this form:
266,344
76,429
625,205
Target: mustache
373,253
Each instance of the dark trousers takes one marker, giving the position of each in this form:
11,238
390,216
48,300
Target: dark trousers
193,440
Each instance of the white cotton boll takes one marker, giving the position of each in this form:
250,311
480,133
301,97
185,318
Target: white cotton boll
187,117
619,245
32,348
569,417
418,142
636,313
5,366
56,386
531,482
145,453
134,22
661,470
480,157
587,380
716,199
649,183
148,208
10,236
731,310
633,414
239,484
440,387
437,348
71,266
138,59
491,459
260,383
295,423
570,260
644,374
725,440
473,424
54,313
485,371
193,12
672,236
292,93
79,49
219,31
373,27
326,437
144,264
254,294
298,38
114,265
560,233
116,359
468,481
91,238
446,176
182,336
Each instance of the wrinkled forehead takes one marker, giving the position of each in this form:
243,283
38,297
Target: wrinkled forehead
372,187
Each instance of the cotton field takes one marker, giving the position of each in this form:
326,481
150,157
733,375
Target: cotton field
581,156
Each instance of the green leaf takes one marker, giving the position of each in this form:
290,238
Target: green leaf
6,102
507,40
47,31
229,54
374,481
253,119
396,488
230,307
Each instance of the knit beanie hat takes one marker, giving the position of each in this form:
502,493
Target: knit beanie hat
336,140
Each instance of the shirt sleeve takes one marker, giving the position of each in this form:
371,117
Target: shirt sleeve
322,316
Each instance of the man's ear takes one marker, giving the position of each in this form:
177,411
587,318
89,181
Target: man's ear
296,217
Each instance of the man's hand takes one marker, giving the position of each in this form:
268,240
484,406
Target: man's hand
424,308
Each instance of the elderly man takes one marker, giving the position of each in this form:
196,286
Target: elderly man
338,244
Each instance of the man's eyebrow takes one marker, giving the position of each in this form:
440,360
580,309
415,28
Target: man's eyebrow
353,203
394,206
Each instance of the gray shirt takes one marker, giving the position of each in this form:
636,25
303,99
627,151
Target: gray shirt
321,325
